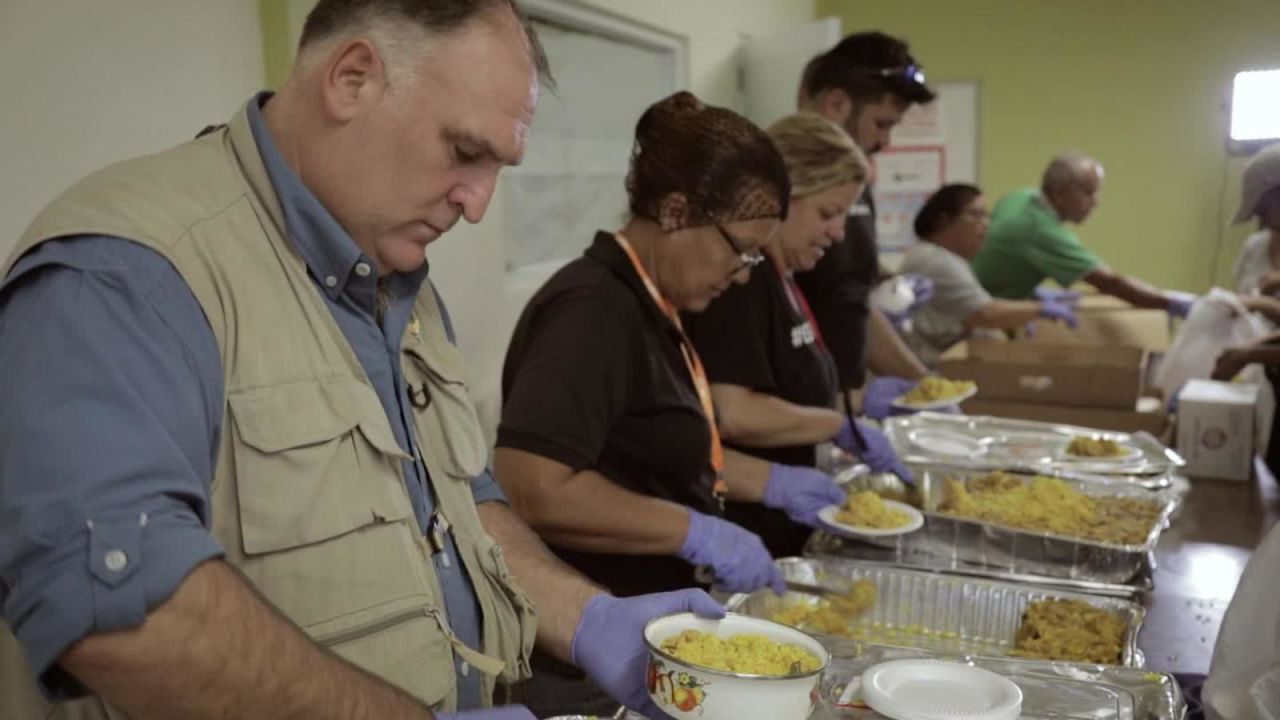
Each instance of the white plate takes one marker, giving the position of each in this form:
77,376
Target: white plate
947,443
828,517
937,690
901,404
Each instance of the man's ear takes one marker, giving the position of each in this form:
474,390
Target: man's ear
353,76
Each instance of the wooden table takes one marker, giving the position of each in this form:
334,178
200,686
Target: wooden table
1198,564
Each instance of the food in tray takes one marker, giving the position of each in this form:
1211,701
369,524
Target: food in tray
867,509
1051,505
1070,630
934,389
745,653
833,614
1095,447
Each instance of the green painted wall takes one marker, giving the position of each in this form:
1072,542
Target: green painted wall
1142,84
277,43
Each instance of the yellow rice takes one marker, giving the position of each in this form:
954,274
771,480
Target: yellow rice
867,509
746,654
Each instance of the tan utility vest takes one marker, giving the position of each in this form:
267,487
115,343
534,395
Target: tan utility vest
309,500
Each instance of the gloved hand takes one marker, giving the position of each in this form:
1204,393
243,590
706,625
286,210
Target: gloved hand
879,453
877,401
1180,303
510,712
609,642
1044,294
1059,309
737,557
922,286
921,289
801,492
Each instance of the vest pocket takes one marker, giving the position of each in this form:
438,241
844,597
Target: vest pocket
513,616
401,642
315,460
448,425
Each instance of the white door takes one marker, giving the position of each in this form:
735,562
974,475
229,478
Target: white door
771,67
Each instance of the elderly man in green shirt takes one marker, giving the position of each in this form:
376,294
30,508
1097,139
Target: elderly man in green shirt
1029,241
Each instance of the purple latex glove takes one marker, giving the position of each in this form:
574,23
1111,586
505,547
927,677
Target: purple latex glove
510,712
609,642
801,492
737,557
1058,309
877,401
1044,294
878,454
1180,303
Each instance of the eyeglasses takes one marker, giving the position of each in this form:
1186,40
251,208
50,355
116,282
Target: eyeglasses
911,73
745,259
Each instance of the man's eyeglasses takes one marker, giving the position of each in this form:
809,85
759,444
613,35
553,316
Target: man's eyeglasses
745,259
907,73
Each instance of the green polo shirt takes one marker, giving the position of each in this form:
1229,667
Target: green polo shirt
1026,244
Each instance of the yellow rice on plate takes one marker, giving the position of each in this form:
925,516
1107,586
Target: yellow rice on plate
934,389
745,654
867,509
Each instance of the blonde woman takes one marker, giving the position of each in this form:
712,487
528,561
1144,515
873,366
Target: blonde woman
773,379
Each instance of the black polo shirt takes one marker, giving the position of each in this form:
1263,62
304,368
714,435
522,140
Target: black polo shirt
755,337
839,291
595,379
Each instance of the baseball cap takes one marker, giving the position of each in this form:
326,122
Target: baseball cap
1260,176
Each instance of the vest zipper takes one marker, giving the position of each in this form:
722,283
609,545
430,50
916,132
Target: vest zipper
370,628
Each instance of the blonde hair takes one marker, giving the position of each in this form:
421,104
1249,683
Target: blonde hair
818,153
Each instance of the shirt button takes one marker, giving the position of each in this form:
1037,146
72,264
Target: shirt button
465,669
115,560
363,269
331,281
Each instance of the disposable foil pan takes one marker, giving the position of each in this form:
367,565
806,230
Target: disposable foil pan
1152,470
1028,552
1058,691
941,613
826,545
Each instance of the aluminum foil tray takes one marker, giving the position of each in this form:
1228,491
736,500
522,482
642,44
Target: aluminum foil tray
1152,470
940,613
912,557
1029,552
1058,691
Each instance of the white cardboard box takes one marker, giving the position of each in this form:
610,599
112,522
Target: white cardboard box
1216,430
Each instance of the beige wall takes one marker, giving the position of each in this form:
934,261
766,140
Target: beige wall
78,96
468,265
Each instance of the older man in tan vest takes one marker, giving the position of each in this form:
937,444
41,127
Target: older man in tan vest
240,473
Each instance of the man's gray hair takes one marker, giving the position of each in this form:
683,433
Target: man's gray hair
1067,170
401,28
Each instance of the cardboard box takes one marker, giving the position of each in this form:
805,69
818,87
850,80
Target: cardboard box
1104,320
1103,376
1147,415
1216,429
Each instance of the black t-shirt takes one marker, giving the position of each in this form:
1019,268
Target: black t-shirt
595,379
839,290
756,336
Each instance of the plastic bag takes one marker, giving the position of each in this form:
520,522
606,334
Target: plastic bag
1244,679
1217,321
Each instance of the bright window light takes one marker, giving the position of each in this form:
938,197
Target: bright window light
1255,106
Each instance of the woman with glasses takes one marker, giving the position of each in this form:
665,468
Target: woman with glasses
773,379
952,226
607,445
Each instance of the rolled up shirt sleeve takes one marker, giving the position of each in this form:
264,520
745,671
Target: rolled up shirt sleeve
111,383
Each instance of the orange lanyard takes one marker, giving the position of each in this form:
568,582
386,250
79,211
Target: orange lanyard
691,360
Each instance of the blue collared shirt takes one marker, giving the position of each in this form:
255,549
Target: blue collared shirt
112,388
